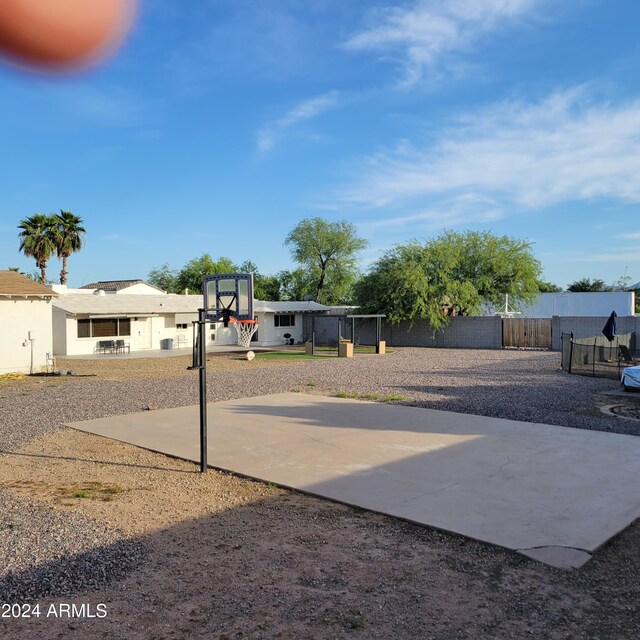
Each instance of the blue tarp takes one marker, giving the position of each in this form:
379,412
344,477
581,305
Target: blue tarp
631,377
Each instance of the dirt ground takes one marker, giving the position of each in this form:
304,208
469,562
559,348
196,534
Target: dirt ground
229,558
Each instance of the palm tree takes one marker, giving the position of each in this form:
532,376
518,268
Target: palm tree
68,237
37,240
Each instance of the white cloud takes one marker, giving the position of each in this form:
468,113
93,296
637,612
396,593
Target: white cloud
453,211
306,110
632,236
423,35
517,156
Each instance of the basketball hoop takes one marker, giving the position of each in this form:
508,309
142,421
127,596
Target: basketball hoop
245,330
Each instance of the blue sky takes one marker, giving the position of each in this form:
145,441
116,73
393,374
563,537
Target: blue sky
219,126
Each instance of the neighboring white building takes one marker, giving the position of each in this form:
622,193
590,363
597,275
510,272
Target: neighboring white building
25,324
597,304
127,287
82,318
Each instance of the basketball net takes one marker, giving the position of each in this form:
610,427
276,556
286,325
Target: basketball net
245,330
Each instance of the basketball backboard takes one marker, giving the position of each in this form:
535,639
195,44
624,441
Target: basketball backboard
228,294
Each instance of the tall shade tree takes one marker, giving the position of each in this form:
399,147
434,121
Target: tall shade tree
193,273
164,277
37,240
294,284
327,251
264,287
454,273
69,237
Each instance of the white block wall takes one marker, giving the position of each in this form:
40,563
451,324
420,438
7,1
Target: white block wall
270,335
20,318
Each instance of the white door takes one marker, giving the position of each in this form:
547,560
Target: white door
144,333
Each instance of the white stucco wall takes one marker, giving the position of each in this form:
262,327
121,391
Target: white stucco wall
581,304
139,288
18,317
147,333
270,335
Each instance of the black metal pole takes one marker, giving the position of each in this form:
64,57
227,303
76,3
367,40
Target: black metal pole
571,352
202,375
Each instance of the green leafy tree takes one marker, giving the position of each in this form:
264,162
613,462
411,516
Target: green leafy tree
548,287
164,277
493,265
69,237
264,287
37,240
192,274
35,276
327,251
249,267
294,284
586,285
455,273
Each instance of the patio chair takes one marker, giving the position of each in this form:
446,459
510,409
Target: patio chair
122,347
625,355
181,340
105,346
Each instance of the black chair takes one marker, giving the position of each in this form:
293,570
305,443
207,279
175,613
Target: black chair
122,347
105,346
625,354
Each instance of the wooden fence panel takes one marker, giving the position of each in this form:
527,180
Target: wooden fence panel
526,332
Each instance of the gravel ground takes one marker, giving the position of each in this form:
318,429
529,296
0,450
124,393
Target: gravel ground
176,554
78,552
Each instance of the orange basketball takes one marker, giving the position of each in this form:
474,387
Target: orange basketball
62,34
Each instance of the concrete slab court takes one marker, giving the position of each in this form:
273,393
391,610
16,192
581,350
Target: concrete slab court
552,493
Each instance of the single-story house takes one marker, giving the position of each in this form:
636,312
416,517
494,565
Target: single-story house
26,342
83,318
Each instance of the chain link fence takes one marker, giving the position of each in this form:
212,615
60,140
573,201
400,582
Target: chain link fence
596,356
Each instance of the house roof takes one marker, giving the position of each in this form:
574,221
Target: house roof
134,304
116,285
14,284
288,306
80,304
